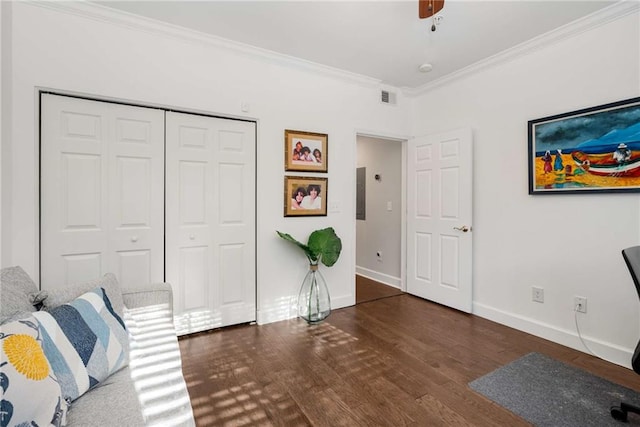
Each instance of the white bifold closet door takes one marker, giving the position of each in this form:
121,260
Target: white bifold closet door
102,192
150,196
210,220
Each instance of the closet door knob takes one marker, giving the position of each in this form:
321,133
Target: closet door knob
192,237
134,239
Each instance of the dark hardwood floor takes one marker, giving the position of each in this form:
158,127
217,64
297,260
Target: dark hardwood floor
394,361
368,290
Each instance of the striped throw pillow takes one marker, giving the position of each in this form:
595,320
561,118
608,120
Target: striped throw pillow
85,341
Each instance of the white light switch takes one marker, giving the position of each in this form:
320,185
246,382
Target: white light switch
389,206
334,206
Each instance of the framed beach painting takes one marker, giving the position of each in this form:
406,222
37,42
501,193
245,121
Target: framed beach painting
305,196
305,151
596,149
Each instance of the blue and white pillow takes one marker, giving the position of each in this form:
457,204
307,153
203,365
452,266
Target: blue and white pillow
85,341
30,393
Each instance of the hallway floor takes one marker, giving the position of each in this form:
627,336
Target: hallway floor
368,290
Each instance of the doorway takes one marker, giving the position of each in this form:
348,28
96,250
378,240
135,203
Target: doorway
379,218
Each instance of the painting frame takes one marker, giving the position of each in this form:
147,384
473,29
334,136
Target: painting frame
592,150
292,185
306,151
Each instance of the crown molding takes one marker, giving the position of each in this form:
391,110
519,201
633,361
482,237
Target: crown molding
587,23
131,21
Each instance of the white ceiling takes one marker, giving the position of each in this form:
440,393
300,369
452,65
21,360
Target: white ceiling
380,39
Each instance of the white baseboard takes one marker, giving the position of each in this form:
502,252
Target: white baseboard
395,282
285,308
604,350
288,308
342,301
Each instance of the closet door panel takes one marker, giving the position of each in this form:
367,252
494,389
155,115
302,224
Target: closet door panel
73,161
133,187
192,190
102,192
236,226
232,194
136,196
80,267
194,277
210,212
189,251
134,267
81,190
232,261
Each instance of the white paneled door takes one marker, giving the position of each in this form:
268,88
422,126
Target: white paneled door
439,217
151,196
102,192
210,220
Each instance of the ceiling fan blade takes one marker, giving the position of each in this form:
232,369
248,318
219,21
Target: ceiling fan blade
424,11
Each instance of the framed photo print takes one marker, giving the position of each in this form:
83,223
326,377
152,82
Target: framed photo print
305,151
305,196
592,150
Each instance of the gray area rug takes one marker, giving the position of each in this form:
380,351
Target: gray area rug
546,392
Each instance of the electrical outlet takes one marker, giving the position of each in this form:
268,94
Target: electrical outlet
379,255
580,304
537,294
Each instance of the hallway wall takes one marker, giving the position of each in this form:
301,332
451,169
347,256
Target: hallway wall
381,231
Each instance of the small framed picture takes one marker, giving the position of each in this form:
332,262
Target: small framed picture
305,196
305,151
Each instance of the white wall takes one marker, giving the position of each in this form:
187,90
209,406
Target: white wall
381,230
567,244
2,33
5,97
108,57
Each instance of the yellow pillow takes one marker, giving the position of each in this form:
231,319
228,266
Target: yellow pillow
31,394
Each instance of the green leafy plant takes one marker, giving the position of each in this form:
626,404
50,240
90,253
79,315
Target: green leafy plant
322,246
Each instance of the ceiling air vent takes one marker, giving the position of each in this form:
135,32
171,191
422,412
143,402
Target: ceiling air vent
387,97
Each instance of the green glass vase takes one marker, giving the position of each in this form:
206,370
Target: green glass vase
314,303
